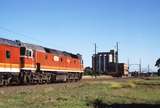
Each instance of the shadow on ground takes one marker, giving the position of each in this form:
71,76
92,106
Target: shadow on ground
99,104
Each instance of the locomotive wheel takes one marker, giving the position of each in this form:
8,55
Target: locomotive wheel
80,76
53,78
6,82
25,78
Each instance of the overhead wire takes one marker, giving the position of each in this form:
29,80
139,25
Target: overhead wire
26,36
20,34
43,43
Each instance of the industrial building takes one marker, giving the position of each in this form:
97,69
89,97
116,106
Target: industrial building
107,63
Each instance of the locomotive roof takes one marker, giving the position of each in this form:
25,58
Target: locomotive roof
18,43
72,55
48,50
8,42
32,46
58,52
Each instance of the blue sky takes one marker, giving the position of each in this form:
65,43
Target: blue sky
75,25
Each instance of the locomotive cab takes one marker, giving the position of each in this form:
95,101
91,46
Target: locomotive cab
26,56
24,52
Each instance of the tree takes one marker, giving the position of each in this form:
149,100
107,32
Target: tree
88,71
158,65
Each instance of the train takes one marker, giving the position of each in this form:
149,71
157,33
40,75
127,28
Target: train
25,63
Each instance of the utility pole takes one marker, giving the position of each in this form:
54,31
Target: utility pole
95,61
117,52
140,65
148,68
117,58
128,65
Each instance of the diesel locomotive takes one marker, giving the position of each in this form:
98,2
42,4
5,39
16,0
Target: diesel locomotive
24,63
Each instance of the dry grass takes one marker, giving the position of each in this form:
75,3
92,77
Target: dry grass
81,94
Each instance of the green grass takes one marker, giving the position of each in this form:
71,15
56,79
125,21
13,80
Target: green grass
82,94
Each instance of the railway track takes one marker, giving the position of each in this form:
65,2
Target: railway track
83,80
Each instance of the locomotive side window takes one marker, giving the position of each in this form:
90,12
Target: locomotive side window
8,54
22,51
29,53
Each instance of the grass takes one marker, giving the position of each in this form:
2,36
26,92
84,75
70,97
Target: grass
82,94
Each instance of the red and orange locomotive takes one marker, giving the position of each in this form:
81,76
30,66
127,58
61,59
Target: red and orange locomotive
27,63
